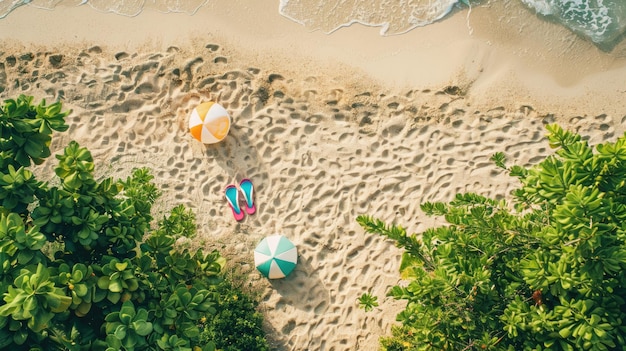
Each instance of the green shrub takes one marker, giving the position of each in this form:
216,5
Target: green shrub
546,272
80,266
237,324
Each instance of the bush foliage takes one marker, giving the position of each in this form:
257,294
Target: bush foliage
81,268
236,325
546,272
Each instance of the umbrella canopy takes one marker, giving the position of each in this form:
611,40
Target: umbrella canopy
275,256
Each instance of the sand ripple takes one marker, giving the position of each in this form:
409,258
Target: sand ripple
319,152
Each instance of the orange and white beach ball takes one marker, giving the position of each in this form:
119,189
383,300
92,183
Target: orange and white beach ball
209,122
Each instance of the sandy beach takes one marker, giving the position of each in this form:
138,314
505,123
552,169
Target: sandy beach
327,126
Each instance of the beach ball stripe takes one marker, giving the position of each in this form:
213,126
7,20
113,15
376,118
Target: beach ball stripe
209,122
275,256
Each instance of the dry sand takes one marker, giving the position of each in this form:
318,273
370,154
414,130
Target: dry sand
328,127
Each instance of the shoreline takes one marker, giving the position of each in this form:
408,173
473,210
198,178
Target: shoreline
514,62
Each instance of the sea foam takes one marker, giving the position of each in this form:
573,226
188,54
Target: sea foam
602,21
393,16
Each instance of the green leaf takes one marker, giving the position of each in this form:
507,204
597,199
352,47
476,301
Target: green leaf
81,289
33,148
142,328
20,336
30,303
210,346
115,286
103,282
58,303
120,332
78,272
120,266
113,297
565,332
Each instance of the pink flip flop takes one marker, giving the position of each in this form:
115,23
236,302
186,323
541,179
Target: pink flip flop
232,196
247,189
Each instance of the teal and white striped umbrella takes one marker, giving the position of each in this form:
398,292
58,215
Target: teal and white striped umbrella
275,256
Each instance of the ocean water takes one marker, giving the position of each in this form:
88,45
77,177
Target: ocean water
601,21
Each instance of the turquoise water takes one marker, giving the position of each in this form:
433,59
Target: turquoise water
601,21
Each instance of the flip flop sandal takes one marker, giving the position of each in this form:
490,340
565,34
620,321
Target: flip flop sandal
232,196
247,189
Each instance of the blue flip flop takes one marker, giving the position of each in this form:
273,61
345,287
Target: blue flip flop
247,189
232,196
